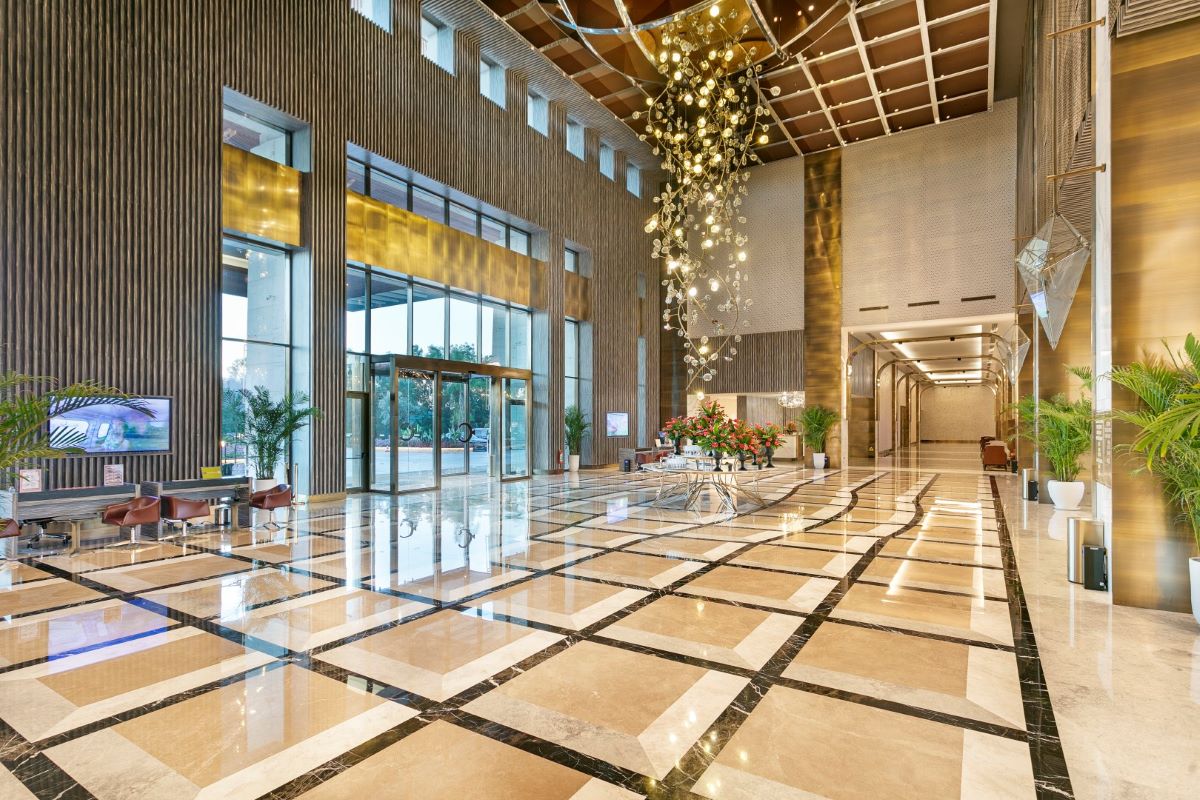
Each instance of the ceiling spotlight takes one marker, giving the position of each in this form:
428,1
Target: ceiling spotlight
715,11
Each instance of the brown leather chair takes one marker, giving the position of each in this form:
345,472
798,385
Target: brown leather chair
995,454
9,529
182,510
271,499
132,514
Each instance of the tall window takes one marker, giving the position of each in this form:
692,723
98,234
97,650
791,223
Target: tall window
437,43
607,161
378,11
518,241
539,114
571,364
246,132
491,81
575,139
256,336
633,179
571,260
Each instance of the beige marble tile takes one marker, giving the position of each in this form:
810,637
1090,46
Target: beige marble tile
694,626
774,589
296,548
730,533
61,695
828,541
559,516
619,522
852,750
54,632
960,616
967,521
445,762
941,551
798,559
323,617
240,740
228,596
593,537
681,547
141,577
767,521
630,709
106,559
952,535
440,655
554,600
648,572
535,555
14,573
975,682
907,573
352,565
11,788
23,598
450,585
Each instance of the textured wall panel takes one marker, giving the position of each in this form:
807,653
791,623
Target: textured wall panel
823,287
774,212
110,175
765,362
957,413
929,216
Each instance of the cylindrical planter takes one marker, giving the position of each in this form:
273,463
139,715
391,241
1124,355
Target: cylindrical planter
573,462
262,484
1066,495
1194,573
818,460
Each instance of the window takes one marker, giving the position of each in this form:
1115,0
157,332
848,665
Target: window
633,179
429,322
356,311
437,43
571,260
539,114
492,230
356,176
518,241
494,331
256,136
389,315
571,364
428,205
464,219
388,189
518,338
464,328
255,336
491,81
575,139
378,11
607,161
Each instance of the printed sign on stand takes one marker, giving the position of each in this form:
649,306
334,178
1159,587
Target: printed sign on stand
29,480
114,474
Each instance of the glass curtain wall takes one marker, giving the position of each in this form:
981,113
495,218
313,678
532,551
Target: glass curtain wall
255,338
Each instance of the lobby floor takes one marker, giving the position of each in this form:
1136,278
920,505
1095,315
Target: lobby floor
866,634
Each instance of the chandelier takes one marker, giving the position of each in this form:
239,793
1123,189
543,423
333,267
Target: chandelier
791,399
704,124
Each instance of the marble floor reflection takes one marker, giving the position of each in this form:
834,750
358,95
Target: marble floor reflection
864,634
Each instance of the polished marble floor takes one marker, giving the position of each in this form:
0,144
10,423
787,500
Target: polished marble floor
863,635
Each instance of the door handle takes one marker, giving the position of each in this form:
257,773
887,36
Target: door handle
467,434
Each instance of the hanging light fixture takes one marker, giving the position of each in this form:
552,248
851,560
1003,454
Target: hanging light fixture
704,124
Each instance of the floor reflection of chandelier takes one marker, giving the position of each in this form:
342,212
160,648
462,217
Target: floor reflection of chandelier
704,124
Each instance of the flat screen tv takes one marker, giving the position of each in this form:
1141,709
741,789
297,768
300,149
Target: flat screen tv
109,428
616,423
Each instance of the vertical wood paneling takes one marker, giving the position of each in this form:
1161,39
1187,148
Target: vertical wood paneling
110,201
765,362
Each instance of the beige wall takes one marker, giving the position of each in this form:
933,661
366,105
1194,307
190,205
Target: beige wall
957,413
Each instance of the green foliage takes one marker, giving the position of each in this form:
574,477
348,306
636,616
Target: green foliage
25,402
1059,428
270,425
815,423
1167,420
576,425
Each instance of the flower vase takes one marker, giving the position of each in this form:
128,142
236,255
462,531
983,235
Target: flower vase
716,461
770,452
678,445
741,462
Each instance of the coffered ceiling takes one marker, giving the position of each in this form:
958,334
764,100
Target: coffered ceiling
846,70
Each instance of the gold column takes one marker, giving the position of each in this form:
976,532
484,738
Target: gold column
823,287
1155,279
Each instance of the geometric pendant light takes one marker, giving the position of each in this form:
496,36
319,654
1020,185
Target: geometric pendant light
1050,266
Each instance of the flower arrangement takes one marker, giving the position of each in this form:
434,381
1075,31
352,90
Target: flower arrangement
678,427
745,439
711,410
791,428
770,435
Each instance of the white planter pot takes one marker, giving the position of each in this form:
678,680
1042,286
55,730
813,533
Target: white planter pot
1194,573
573,463
262,484
1066,495
819,460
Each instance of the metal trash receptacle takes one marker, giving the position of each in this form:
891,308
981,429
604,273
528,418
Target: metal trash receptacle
222,516
1081,533
1029,487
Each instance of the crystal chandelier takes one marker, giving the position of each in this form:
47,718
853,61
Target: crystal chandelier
704,124
791,399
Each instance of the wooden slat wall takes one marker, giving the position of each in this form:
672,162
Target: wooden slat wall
765,362
110,173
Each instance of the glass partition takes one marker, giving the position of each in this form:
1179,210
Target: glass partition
429,322
516,428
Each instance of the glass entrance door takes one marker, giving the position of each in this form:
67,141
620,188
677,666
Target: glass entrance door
414,455
479,415
455,429
516,428
356,440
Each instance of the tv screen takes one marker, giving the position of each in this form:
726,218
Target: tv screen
110,428
616,423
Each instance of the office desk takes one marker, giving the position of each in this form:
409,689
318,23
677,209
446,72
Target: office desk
72,506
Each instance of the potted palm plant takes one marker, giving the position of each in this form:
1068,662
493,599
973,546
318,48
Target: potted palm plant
815,423
270,425
576,425
26,404
1061,430
1167,421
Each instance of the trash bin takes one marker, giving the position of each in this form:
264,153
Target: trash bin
1081,533
1029,484
222,516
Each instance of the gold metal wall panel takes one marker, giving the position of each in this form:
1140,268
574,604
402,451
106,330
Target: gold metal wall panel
391,238
260,197
577,300
765,362
823,286
1155,279
112,188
